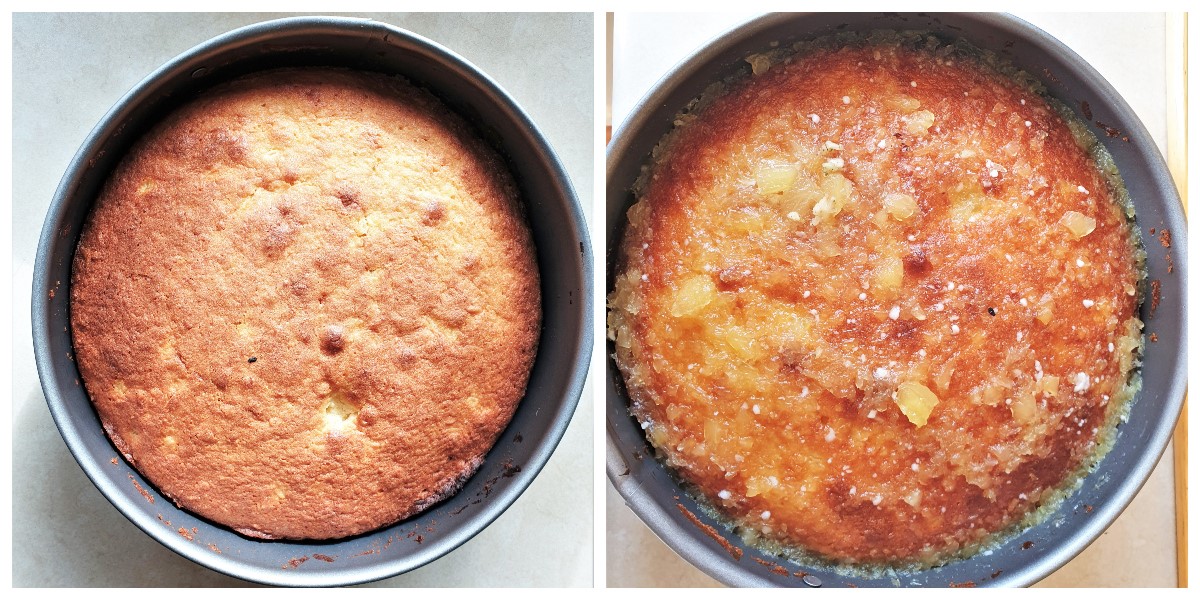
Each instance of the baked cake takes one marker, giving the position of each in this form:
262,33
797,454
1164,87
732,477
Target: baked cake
877,302
306,304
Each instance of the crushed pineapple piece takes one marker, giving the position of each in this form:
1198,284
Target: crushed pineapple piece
913,498
1045,309
1078,224
916,402
918,123
993,395
1022,408
759,63
695,293
837,190
1049,385
900,206
903,103
888,277
773,179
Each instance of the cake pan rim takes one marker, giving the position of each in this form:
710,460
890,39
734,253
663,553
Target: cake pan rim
627,135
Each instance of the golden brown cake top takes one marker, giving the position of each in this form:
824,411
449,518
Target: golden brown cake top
307,303
876,302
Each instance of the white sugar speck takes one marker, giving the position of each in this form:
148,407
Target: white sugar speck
894,313
724,495
845,99
1088,303
815,118
1082,382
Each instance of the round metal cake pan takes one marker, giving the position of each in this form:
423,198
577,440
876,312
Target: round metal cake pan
564,260
656,496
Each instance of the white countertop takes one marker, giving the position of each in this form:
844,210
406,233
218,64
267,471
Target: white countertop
1139,548
68,69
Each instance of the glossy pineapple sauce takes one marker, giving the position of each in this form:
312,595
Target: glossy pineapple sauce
876,303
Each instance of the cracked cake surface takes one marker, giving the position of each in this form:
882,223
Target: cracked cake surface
878,301
306,304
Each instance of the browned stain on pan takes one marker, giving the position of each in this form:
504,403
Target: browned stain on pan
295,562
141,490
1111,132
775,568
708,530
1164,238
509,469
324,557
1155,296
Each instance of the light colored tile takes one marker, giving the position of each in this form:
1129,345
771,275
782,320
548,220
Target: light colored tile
68,69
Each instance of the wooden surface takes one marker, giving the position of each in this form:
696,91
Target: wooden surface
1177,130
